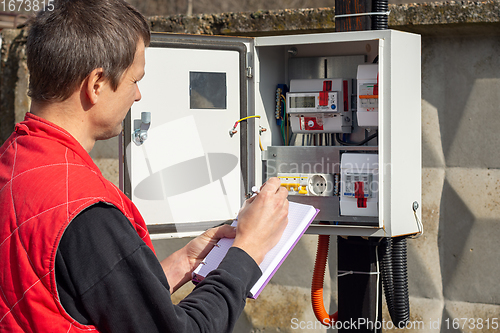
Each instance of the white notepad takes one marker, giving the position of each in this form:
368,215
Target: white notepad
300,217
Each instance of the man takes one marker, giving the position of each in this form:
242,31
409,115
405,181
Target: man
75,252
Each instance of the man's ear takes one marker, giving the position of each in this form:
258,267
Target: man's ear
94,85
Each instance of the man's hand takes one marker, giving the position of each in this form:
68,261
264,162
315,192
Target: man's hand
198,248
262,220
179,266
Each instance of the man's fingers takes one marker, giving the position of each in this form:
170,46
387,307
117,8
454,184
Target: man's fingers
226,231
284,210
286,204
223,231
272,185
282,191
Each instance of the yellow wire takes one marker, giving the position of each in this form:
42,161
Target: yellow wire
260,143
284,99
247,118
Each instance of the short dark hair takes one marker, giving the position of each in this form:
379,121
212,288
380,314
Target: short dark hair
67,43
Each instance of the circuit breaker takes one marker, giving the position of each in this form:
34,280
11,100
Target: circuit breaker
359,181
368,88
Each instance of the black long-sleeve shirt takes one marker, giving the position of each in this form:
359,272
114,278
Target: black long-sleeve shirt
108,277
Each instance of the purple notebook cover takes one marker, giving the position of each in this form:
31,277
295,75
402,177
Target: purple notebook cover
198,278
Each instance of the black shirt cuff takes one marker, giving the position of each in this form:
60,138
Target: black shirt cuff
240,265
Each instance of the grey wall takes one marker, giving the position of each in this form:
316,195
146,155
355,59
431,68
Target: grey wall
454,267
457,266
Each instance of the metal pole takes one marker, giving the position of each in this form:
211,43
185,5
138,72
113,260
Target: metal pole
358,283
355,23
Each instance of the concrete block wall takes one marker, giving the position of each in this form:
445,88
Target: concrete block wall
461,181
453,267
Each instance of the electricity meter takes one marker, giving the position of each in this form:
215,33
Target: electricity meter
320,106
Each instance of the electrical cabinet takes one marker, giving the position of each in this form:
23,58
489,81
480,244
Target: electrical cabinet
335,115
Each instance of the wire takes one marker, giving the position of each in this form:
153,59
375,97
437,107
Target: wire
287,130
247,118
283,133
284,99
233,131
285,120
283,117
420,227
345,143
378,283
344,273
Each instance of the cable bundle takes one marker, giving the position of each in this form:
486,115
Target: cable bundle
380,22
395,279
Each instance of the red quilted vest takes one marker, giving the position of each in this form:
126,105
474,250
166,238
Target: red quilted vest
46,179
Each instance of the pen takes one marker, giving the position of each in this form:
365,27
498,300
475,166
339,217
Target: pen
255,191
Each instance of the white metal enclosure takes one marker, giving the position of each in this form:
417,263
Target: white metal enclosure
191,174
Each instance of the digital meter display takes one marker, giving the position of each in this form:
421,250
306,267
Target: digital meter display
297,102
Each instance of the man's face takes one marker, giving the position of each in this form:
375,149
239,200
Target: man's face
115,104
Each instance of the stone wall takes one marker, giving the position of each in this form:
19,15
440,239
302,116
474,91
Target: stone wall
455,17
14,102
454,267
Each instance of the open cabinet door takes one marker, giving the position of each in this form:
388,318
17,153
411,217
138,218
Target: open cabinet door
189,174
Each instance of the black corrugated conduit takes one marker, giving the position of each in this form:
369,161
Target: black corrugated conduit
392,254
380,22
